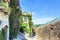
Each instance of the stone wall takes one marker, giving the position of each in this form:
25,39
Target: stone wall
4,20
49,31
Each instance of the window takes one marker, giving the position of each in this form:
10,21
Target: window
25,19
6,13
6,0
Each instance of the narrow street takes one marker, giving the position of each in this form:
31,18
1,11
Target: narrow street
24,37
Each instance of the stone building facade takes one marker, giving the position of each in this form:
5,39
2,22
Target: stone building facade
4,17
26,20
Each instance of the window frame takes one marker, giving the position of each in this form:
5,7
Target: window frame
25,19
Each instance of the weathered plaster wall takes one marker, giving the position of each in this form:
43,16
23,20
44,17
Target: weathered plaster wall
4,21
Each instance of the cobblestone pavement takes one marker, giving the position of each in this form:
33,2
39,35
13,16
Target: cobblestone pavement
30,38
24,37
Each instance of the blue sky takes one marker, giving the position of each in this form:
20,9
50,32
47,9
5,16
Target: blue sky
43,10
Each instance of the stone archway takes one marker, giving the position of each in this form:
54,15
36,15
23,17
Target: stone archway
22,30
5,31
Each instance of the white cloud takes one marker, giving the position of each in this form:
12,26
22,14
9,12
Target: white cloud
42,20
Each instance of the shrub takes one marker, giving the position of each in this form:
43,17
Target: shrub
1,36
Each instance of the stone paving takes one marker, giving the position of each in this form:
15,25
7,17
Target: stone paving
30,38
24,37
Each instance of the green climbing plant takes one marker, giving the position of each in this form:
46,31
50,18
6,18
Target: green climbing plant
14,18
5,5
1,36
26,25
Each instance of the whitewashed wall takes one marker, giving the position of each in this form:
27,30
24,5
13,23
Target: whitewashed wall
4,21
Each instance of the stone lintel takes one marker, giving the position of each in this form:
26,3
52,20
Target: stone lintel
2,9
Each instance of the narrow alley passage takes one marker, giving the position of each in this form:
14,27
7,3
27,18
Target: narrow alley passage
21,36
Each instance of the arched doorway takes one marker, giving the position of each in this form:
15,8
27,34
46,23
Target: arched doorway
22,29
4,32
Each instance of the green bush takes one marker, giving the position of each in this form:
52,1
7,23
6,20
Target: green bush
26,30
3,32
5,6
1,36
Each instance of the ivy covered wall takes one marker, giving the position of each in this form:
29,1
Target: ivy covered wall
14,18
27,27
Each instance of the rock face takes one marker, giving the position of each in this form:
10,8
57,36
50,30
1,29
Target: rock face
49,31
